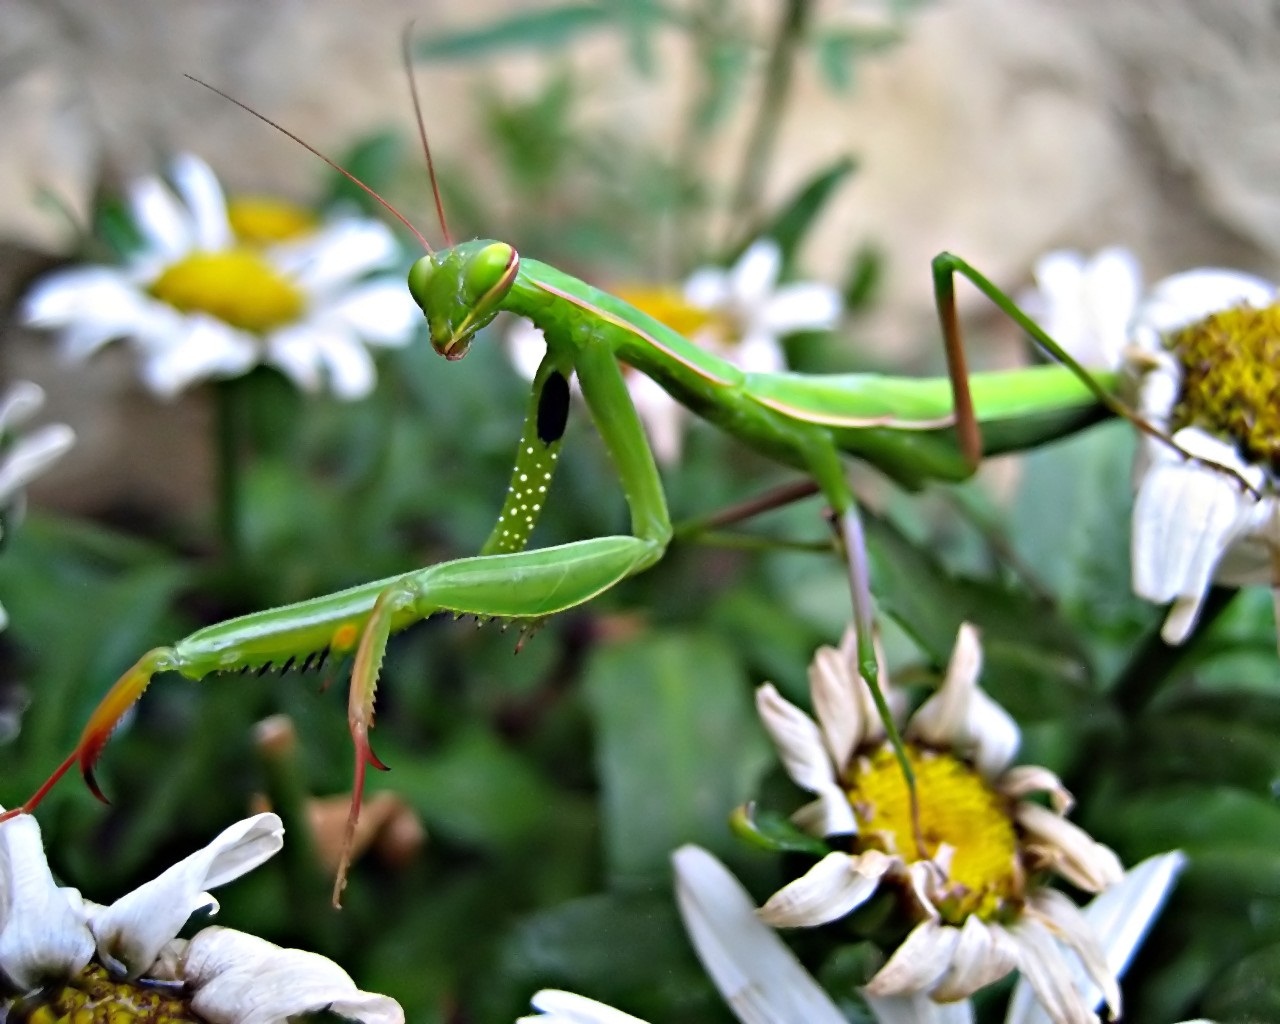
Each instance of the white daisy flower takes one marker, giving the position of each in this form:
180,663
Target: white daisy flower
24,456
217,288
741,314
974,886
763,983
62,952
1203,347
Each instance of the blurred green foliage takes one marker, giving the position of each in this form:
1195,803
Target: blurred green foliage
554,783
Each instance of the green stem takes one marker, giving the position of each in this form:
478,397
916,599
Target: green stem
777,85
230,437
1155,661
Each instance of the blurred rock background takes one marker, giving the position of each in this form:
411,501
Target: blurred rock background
997,129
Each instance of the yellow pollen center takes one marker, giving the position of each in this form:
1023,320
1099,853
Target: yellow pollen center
669,307
1230,378
262,220
237,286
93,998
958,810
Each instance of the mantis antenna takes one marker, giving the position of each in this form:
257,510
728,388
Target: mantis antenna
405,39
332,163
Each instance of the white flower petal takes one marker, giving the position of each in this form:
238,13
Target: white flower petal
19,404
198,186
1112,287
662,416
961,715
833,688
1025,779
133,930
1184,518
1186,298
755,274
307,350
338,254
984,954
836,885
101,299
707,288
382,312
31,455
559,1007
1068,849
805,757
43,934
206,348
1047,972
916,965
1086,305
242,979
1068,924
165,225
918,1008
801,306
758,352
526,347
1120,918
757,974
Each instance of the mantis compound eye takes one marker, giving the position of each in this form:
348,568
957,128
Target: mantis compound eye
420,275
489,270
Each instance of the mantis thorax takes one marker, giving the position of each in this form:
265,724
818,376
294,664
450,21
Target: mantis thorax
461,290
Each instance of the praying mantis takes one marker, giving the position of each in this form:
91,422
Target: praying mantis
913,430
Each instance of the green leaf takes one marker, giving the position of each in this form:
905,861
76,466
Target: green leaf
373,160
1033,664
1249,991
792,222
476,790
862,282
548,29
113,225
679,748
769,830
627,950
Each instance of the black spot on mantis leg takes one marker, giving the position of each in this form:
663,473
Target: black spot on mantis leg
553,408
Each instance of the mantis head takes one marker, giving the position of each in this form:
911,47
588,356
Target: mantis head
461,290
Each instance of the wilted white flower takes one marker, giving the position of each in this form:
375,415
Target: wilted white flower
972,876
1207,345
741,314
1204,351
764,983
217,288
24,455
62,951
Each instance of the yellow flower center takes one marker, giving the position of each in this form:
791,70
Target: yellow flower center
669,307
93,998
263,220
1230,378
237,286
958,810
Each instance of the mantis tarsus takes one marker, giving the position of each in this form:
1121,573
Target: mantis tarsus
914,430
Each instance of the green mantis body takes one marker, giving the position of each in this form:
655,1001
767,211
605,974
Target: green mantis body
914,430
